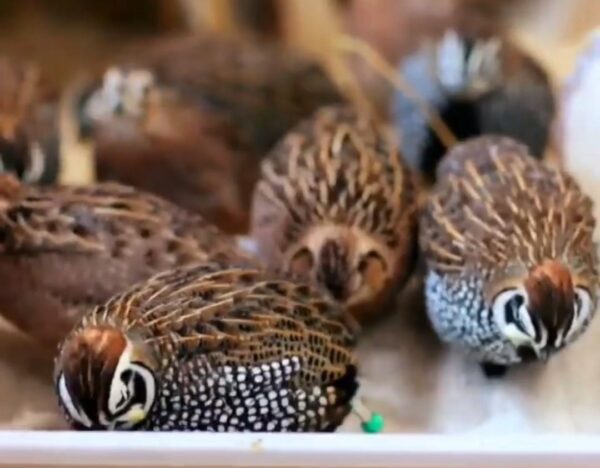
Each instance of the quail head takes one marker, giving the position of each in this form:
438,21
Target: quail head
29,134
511,264
210,347
337,205
63,249
190,118
478,85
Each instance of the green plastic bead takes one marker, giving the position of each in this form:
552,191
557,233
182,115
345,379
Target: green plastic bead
374,425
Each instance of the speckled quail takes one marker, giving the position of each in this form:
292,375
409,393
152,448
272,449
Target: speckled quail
211,348
478,85
64,249
189,118
512,271
29,130
337,205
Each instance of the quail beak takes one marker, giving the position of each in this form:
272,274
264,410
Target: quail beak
136,415
544,357
512,334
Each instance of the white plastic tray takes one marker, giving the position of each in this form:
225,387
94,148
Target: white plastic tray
68,449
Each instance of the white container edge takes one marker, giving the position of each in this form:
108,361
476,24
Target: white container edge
108,449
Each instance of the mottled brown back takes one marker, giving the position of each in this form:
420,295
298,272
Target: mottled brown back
262,88
495,204
337,167
232,315
64,249
228,102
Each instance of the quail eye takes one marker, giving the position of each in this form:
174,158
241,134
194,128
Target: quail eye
126,376
516,313
302,262
368,259
75,412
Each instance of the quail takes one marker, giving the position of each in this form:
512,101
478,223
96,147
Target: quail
478,85
511,264
335,204
210,347
63,249
29,134
189,118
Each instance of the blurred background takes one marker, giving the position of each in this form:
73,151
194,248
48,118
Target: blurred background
69,39
67,36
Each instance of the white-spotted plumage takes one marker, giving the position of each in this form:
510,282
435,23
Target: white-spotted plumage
239,350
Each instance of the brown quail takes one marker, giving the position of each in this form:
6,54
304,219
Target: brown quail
65,249
337,205
190,118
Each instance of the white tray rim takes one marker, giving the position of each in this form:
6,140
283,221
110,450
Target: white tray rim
70,449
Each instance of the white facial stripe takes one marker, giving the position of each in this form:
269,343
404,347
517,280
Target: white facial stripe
113,78
34,172
118,390
475,60
137,412
484,56
67,401
114,81
526,321
511,330
117,387
516,336
582,313
451,63
484,65
150,383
